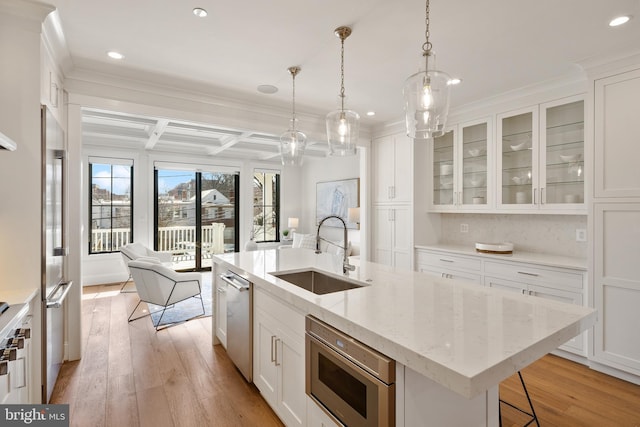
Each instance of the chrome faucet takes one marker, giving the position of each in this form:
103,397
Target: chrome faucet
346,267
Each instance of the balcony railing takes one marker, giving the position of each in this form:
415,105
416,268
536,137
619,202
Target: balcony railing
179,240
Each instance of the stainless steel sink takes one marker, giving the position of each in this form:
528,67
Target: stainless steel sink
316,282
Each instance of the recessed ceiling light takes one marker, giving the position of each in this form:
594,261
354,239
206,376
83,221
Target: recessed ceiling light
371,113
115,55
619,21
200,12
268,89
454,81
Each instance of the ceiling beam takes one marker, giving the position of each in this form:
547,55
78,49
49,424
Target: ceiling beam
227,143
156,133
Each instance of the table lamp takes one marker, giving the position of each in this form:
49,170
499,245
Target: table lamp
292,223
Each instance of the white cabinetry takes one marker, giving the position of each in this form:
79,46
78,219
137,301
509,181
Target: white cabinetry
392,173
51,91
560,284
221,310
392,242
462,167
551,283
278,364
392,235
616,220
541,157
448,266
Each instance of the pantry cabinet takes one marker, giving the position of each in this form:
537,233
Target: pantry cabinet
278,365
615,219
393,172
392,236
462,167
541,157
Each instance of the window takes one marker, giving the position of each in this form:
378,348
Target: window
266,206
110,204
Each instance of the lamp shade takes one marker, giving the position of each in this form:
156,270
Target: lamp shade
343,127
292,223
292,146
426,96
354,215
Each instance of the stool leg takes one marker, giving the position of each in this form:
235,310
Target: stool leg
533,412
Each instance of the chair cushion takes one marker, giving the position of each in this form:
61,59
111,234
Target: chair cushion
307,241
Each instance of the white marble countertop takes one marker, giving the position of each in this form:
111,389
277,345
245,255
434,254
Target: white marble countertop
465,337
520,256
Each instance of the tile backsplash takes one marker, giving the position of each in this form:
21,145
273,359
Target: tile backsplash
550,234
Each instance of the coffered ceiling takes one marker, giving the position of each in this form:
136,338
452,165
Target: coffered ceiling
494,46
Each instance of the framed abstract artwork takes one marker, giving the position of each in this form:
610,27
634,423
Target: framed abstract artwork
335,198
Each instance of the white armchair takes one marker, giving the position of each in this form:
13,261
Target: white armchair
159,285
134,251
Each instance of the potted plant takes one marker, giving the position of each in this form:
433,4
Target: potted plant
285,234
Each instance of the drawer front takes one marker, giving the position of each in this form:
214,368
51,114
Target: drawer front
526,273
446,260
279,310
450,274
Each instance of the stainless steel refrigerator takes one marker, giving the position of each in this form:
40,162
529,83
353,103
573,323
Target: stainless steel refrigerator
54,251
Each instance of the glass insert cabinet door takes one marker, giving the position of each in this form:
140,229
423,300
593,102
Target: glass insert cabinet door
518,148
443,171
562,160
475,165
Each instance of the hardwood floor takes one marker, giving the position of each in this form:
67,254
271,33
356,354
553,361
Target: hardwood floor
568,394
132,376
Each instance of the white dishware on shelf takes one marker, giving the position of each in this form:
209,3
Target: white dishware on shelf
478,200
446,169
518,147
477,181
446,184
518,180
521,197
475,152
571,198
567,158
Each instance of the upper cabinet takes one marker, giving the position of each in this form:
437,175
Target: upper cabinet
462,167
533,163
541,161
393,173
616,141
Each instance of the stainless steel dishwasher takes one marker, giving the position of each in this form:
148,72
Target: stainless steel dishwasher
240,322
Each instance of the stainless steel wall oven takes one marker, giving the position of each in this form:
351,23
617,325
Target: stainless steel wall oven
351,382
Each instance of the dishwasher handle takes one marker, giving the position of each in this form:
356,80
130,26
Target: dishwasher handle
233,281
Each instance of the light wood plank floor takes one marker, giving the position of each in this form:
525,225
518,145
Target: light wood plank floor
132,376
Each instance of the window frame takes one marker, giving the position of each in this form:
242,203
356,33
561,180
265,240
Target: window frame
112,162
275,205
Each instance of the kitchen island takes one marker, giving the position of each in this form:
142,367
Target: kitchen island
462,339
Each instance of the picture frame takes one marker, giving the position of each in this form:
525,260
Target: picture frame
335,198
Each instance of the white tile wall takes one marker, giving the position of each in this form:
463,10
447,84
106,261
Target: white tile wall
551,234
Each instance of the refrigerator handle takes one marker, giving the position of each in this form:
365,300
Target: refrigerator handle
57,303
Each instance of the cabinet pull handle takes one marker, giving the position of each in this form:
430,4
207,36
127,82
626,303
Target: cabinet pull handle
524,291
393,191
531,293
535,193
221,290
446,260
528,274
276,347
542,196
273,358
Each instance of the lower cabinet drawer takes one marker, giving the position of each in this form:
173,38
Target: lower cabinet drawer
448,261
530,274
450,274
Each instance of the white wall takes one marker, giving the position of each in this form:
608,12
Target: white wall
331,169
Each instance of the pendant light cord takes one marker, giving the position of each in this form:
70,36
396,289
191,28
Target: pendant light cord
342,73
294,72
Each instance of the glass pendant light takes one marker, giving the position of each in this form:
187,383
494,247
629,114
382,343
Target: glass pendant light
293,142
342,125
426,95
